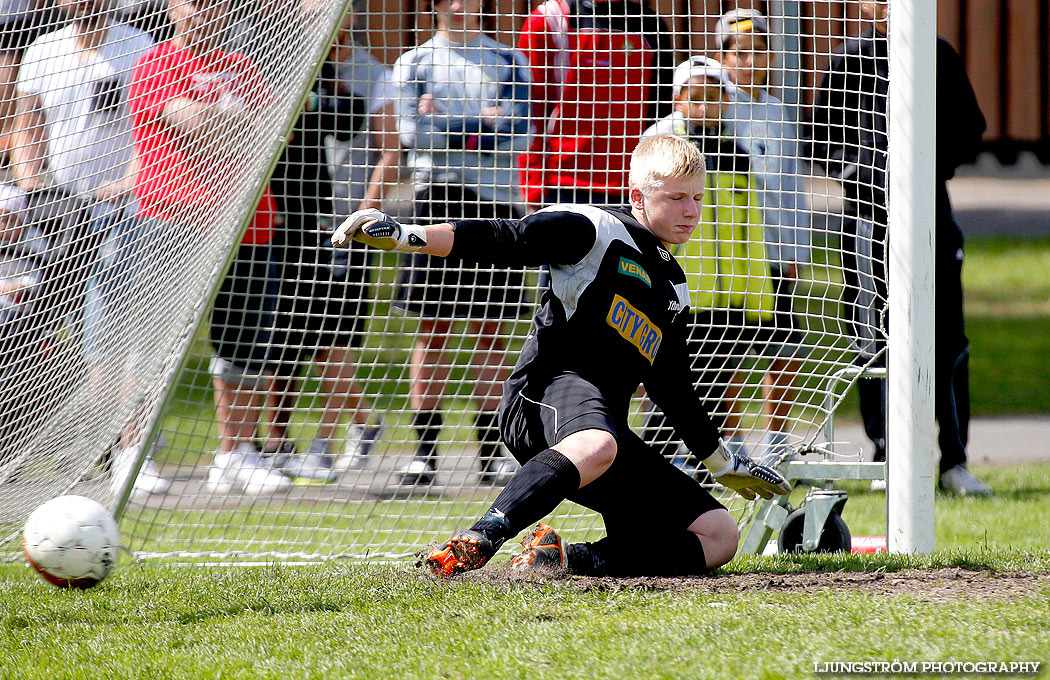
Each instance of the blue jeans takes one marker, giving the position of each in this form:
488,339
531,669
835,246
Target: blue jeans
118,273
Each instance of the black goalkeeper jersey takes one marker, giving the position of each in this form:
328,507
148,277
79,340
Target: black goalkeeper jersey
614,313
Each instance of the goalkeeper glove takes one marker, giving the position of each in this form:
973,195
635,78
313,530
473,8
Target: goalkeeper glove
741,474
377,229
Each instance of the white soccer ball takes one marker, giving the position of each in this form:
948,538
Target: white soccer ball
72,541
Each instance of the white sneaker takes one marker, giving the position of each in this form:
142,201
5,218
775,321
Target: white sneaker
878,485
418,472
961,481
359,442
313,466
149,479
120,467
246,470
499,471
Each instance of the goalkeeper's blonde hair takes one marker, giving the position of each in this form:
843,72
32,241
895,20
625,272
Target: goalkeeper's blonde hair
662,157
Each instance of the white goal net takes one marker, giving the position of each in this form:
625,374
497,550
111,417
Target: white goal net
179,340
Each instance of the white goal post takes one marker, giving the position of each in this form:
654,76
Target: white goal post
179,341
911,434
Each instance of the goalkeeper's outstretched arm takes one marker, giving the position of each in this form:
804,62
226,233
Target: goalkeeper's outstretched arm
546,237
379,230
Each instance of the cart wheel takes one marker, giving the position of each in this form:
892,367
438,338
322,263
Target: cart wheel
834,536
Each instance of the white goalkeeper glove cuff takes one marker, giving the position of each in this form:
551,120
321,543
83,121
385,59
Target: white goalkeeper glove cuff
719,462
743,475
377,229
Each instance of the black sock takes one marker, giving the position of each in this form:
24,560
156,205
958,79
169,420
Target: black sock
487,429
428,429
532,493
582,559
680,553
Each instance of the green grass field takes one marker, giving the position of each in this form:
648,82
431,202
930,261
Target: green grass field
983,596
1007,287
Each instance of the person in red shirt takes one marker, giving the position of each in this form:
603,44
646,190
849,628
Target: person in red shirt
545,42
186,93
193,105
581,155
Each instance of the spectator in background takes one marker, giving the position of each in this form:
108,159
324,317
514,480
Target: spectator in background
23,276
544,40
584,138
463,115
766,128
21,21
383,143
850,141
322,311
186,95
147,15
360,77
72,133
72,104
14,213
385,172
725,262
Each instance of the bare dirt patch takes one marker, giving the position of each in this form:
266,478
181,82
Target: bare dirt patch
933,584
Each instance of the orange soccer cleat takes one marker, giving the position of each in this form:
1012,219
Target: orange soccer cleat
466,550
543,550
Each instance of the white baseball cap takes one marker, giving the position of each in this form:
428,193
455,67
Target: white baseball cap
740,21
695,67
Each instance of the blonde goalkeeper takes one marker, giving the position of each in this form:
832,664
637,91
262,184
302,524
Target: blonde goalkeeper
613,318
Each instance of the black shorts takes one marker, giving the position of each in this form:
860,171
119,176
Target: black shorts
444,288
324,303
242,317
639,489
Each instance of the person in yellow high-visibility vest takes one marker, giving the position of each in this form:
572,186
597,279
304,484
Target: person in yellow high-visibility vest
725,262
